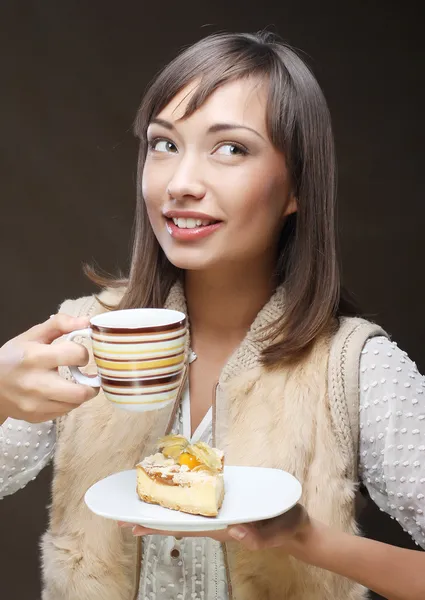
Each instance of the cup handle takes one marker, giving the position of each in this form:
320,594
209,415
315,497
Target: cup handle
75,371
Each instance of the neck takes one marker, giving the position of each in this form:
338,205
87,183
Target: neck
223,304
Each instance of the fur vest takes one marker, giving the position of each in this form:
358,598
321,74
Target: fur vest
302,418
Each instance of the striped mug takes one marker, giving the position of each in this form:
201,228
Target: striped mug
140,356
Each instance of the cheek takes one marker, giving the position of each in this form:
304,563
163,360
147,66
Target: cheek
152,195
154,184
262,203
257,213
148,187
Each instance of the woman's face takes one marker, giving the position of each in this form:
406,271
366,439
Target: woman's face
216,190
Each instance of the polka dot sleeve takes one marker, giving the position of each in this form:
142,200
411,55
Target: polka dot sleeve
392,434
25,449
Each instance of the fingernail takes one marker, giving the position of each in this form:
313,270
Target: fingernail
134,530
238,532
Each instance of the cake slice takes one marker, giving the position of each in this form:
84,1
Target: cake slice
182,476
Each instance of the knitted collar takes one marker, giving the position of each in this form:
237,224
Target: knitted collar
248,354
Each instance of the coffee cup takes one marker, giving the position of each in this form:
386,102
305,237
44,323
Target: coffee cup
140,356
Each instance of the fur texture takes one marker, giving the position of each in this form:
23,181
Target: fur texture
284,418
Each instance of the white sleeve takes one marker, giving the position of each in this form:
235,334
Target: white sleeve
25,449
392,434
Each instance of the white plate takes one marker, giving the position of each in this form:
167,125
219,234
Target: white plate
252,494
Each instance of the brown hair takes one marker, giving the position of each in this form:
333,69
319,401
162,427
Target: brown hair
299,125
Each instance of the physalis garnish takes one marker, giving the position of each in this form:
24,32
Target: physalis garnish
188,460
172,446
205,455
197,456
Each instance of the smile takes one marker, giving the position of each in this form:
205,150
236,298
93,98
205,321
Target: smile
190,229
190,223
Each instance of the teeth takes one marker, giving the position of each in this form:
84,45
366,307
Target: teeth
190,223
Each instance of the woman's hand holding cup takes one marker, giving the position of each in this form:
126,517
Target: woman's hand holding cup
30,387
140,356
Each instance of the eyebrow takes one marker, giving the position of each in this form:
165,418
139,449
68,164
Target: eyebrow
213,129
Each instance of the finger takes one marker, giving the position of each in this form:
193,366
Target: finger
53,328
53,386
50,410
51,357
57,409
138,531
11,356
247,535
287,523
271,533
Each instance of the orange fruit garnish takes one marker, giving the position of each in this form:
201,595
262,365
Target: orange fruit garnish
189,460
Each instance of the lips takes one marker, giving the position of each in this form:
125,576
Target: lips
190,225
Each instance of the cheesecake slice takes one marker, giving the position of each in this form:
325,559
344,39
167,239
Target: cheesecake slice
183,477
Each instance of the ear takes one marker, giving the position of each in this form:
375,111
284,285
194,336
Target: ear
291,207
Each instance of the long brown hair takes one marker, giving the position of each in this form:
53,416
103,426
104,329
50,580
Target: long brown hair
299,125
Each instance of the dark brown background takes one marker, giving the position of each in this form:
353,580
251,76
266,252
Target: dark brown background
71,77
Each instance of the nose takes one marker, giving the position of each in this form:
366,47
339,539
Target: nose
186,182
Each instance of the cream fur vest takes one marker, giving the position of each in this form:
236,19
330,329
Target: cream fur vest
303,419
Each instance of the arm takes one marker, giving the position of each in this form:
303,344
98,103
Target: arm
395,573
32,390
392,467
392,434
25,449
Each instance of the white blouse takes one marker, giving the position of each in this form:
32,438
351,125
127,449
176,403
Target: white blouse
391,466
191,567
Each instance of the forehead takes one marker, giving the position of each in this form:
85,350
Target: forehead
242,101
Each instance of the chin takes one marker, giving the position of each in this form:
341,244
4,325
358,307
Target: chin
190,262
189,265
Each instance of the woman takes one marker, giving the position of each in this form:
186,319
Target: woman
234,226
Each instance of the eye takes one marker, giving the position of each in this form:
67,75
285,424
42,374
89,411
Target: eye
230,149
162,145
